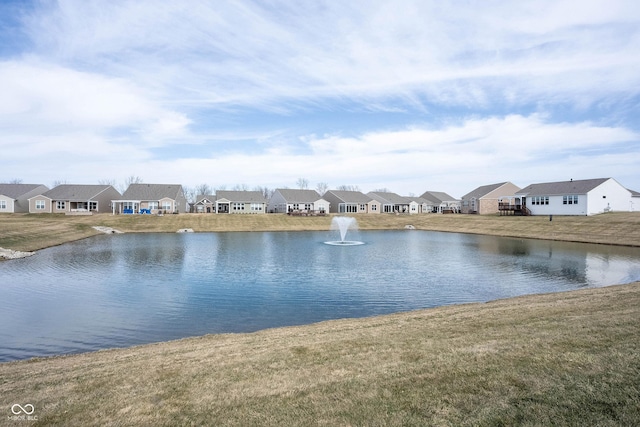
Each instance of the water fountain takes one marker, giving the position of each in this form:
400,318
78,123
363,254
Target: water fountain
343,224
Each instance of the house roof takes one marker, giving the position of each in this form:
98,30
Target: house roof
419,200
14,191
483,191
241,196
437,197
152,192
582,186
299,196
202,197
634,193
388,197
350,196
76,192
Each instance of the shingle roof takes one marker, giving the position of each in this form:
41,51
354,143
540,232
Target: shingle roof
388,197
563,187
299,196
202,197
482,191
75,192
152,192
14,191
437,197
241,196
350,196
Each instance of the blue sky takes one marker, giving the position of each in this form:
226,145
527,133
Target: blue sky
409,95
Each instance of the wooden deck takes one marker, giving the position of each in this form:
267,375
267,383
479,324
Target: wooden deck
508,209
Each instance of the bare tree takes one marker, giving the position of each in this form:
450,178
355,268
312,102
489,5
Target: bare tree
348,188
302,183
203,189
266,191
241,187
58,182
130,180
382,190
111,182
15,181
322,187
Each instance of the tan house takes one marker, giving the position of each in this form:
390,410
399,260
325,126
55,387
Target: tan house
151,199
14,198
484,200
440,202
74,199
240,202
390,202
351,202
205,203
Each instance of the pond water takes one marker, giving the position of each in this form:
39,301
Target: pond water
122,290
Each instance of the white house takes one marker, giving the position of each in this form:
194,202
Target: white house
285,200
576,197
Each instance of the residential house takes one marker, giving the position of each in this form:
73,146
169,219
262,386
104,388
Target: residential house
240,202
14,198
205,203
151,199
75,199
390,202
418,205
350,202
576,197
440,202
485,199
286,200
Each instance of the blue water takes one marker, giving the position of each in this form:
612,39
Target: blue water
122,290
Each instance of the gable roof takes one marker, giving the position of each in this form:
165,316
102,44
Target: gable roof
437,197
205,197
388,197
76,192
582,186
152,191
241,196
483,191
298,195
350,196
14,191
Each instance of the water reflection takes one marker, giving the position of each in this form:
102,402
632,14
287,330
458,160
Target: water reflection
121,290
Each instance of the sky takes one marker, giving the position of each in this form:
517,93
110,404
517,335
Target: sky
407,96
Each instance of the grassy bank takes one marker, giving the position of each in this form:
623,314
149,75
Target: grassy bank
29,232
557,359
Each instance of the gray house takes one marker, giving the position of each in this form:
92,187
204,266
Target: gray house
240,202
151,199
350,202
285,200
390,202
205,203
72,199
440,202
14,198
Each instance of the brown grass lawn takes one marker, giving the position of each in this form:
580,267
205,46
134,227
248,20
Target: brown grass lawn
569,358
28,232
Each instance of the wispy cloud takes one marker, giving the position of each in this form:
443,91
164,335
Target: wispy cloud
416,93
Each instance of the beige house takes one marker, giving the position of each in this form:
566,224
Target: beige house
14,198
484,199
351,202
205,203
440,202
240,202
151,199
74,199
390,202
293,201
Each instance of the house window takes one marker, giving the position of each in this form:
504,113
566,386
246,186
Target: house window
39,204
256,207
307,206
154,205
296,206
237,206
60,205
166,206
388,208
93,206
540,200
374,208
569,200
3,204
363,208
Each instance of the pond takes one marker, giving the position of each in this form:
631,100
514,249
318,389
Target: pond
122,290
